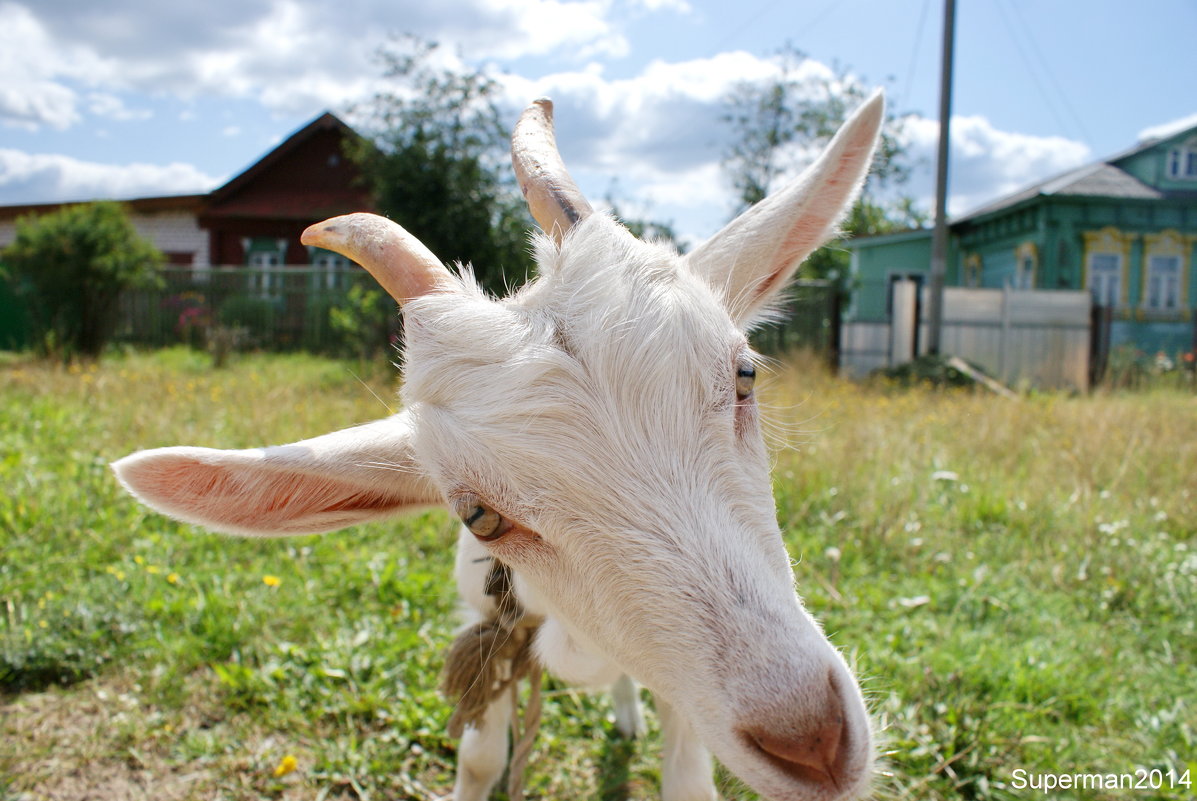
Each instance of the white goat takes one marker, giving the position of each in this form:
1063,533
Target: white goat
597,432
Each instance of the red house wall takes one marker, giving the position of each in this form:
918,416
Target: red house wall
303,181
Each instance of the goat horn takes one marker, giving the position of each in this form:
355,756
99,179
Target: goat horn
553,197
400,263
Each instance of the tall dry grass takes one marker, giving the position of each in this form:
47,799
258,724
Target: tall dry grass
1016,582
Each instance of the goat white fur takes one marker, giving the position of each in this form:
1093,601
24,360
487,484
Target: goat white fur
603,415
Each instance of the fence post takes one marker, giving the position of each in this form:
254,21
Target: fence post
835,320
1100,318
904,322
1004,339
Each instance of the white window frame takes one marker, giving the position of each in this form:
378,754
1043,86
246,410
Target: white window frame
1182,161
1026,265
974,269
332,270
265,269
1108,287
1105,285
1162,284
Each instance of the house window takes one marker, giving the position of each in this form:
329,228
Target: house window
1105,278
1024,276
330,270
1026,262
1163,283
973,268
1165,264
1107,254
1182,161
265,258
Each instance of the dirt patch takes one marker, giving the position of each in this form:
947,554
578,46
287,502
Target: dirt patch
101,740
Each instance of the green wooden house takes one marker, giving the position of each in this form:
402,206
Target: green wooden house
1125,229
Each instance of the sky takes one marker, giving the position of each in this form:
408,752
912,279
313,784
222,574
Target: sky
136,98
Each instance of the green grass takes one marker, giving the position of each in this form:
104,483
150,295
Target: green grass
1016,582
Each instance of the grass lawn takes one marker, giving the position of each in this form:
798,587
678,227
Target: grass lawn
1015,580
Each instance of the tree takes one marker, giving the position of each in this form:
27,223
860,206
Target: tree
435,154
72,265
779,126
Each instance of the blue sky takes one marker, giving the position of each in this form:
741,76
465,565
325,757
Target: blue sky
132,98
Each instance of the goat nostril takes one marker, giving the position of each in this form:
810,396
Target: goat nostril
809,757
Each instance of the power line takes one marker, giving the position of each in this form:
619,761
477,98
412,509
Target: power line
767,6
914,54
1034,69
1051,74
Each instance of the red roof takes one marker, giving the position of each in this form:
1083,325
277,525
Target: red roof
306,178
142,205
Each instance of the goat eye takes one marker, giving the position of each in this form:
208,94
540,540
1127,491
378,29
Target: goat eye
745,378
482,520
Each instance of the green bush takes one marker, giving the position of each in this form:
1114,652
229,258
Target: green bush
71,266
362,323
255,315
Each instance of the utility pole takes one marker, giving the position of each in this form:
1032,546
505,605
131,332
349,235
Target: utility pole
939,236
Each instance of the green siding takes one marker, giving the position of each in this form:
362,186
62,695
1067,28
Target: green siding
997,266
1151,165
1056,226
875,260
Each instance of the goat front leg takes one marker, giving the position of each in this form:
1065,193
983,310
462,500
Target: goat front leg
482,753
686,773
629,720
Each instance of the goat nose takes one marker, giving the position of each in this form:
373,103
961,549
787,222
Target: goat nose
812,741
808,757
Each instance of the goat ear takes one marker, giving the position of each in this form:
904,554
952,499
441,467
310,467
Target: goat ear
753,257
316,485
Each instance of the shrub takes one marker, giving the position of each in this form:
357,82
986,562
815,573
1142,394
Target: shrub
363,321
71,267
253,314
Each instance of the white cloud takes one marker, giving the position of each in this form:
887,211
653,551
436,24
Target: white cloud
656,137
1167,129
290,55
660,137
676,6
659,133
667,116
106,105
47,178
34,104
538,27
30,97
986,163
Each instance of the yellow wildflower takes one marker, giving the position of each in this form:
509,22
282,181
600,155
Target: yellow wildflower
271,581
286,765
173,578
